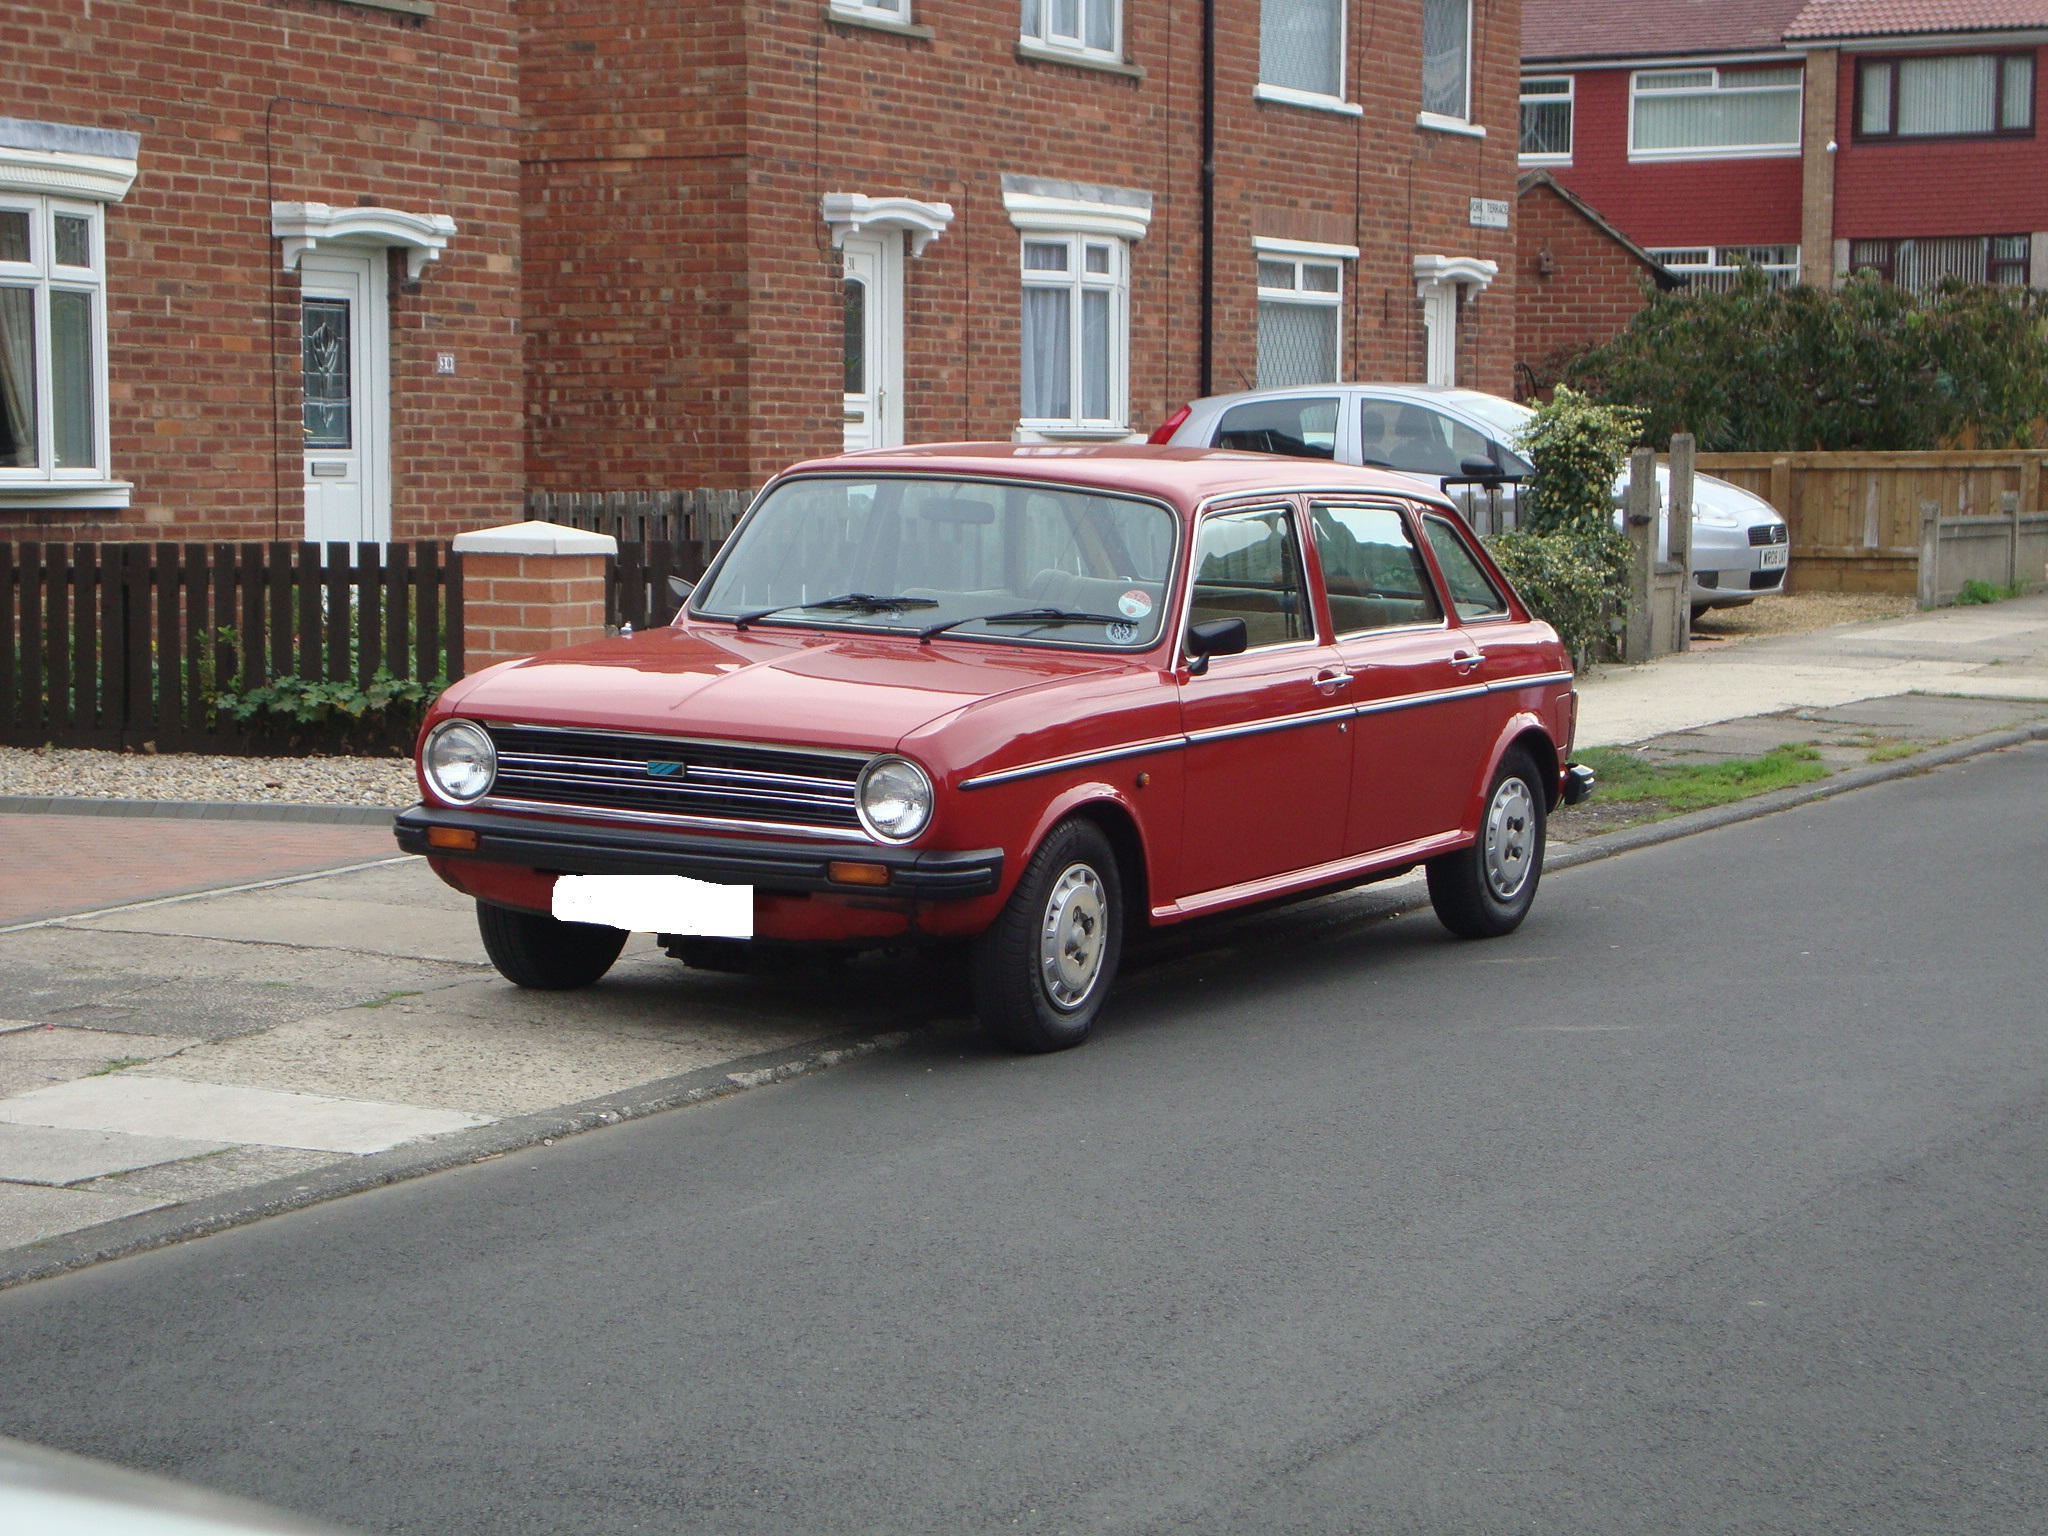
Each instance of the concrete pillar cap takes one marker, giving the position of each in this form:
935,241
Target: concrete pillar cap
534,538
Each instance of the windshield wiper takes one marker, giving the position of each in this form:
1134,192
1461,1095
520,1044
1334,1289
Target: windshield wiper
1032,616
859,602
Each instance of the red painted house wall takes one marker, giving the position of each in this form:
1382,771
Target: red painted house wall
1937,186
1672,202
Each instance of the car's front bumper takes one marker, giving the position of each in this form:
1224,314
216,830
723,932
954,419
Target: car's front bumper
584,848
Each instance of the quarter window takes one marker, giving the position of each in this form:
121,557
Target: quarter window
1957,96
1697,114
1076,328
1248,566
1447,58
1547,121
1303,428
1301,45
1300,305
1092,27
1372,570
1472,591
53,424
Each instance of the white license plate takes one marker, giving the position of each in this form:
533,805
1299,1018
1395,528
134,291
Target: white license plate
1774,556
657,904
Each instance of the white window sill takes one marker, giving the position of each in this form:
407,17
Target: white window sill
1052,432
1436,122
1564,160
1315,101
877,21
65,495
1051,53
1767,152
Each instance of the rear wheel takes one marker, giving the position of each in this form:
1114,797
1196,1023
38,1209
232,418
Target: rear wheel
532,949
1045,966
1484,891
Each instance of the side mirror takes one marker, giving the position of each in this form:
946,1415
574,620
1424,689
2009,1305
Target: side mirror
681,588
1480,469
1215,637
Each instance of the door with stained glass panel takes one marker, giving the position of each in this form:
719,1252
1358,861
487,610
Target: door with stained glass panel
346,406
872,291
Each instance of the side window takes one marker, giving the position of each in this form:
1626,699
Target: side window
1371,569
1302,429
1472,591
1248,566
1415,439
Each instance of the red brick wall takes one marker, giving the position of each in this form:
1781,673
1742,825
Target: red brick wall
1576,285
1938,187
692,334
1672,202
240,103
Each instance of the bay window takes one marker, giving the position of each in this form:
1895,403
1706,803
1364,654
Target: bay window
53,416
1956,96
1076,328
1703,114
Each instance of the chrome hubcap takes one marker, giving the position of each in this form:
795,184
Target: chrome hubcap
1071,935
1510,839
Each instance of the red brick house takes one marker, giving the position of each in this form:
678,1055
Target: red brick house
1810,137
1578,279
258,269
760,231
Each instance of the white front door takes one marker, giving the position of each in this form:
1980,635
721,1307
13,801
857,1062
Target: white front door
873,283
345,347
1440,333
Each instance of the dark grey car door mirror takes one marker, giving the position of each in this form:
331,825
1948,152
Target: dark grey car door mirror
1480,469
1215,637
681,588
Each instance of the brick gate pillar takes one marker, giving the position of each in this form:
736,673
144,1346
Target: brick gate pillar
529,587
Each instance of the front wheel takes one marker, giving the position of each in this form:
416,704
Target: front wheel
1044,967
532,949
1484,891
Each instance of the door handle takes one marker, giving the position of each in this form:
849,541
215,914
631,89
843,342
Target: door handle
1330,679
1465,661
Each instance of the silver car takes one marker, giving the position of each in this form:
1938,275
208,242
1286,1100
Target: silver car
1462,442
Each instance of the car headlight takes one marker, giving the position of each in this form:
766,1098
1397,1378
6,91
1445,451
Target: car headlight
460,761
894,798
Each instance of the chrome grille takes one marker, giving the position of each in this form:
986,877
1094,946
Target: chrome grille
1767,533
724,781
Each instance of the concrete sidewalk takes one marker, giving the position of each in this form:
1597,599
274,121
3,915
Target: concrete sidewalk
1998,651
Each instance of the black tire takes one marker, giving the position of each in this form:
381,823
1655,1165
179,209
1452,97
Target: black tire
1476,893
1018,981
531,949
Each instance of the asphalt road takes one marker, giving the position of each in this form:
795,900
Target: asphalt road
1714,1200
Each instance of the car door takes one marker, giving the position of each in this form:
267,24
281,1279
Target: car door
1418,730
1492,647
1269,739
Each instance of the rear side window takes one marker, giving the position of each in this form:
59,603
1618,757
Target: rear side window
1248,566
1473,593
1371,569
1302,429
1415,439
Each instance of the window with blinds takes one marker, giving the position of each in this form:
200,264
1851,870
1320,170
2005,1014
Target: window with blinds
1547,120
1707,114
1969,95
1921,265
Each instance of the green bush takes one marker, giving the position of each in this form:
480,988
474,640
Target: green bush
1758,369
1577,583
314,713
1578,448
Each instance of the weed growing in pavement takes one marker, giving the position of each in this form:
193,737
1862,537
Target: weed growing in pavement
118,1064
388,997
1984,592
1668,788
1892,751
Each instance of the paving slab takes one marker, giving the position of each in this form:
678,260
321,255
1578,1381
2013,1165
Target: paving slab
29,1213
199,1178
38,1057
42,1154
170,1106
306,922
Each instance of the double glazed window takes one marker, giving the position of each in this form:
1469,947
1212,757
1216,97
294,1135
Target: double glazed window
1919,265
1091,27
1076,328
1447,58
1301,46
1300,305
52,342
1547,120
1695,114
1720,267
1960,95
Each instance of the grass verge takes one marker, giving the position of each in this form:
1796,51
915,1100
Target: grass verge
1668,788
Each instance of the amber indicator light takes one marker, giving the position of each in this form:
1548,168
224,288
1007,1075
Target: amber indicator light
451,837
847,873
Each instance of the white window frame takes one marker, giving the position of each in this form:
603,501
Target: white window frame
1035,32
1722,264
1299,254
1451,122
1570,98
889,14
41,274
1315,101
1076,280
1717,87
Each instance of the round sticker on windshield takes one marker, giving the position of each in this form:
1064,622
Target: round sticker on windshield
1134,604
1122,634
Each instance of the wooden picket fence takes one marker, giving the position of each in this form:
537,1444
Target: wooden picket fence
660,534
117,645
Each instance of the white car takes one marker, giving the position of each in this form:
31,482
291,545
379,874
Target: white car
1446,437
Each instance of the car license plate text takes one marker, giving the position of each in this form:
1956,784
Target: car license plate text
1774,556
657,904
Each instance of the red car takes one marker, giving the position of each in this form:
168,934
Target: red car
1031,698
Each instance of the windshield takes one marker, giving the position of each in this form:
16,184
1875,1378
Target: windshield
971,558
1504,416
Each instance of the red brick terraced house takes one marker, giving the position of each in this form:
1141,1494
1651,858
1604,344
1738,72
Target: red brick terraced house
1812,138
258,269
757,230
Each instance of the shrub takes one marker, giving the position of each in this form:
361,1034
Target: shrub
1577,583
1578,448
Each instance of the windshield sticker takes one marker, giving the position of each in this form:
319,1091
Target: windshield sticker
1134,604
1122,634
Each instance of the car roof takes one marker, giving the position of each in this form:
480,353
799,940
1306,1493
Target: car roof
1183,477
1450,393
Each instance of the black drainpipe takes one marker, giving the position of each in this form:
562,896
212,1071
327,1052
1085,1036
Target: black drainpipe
1208,197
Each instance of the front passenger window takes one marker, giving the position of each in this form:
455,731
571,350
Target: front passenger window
1416,440
1248,566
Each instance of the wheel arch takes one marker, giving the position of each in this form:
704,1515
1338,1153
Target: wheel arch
1099,804
1526,731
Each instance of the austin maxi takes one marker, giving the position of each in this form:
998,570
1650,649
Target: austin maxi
1031,699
